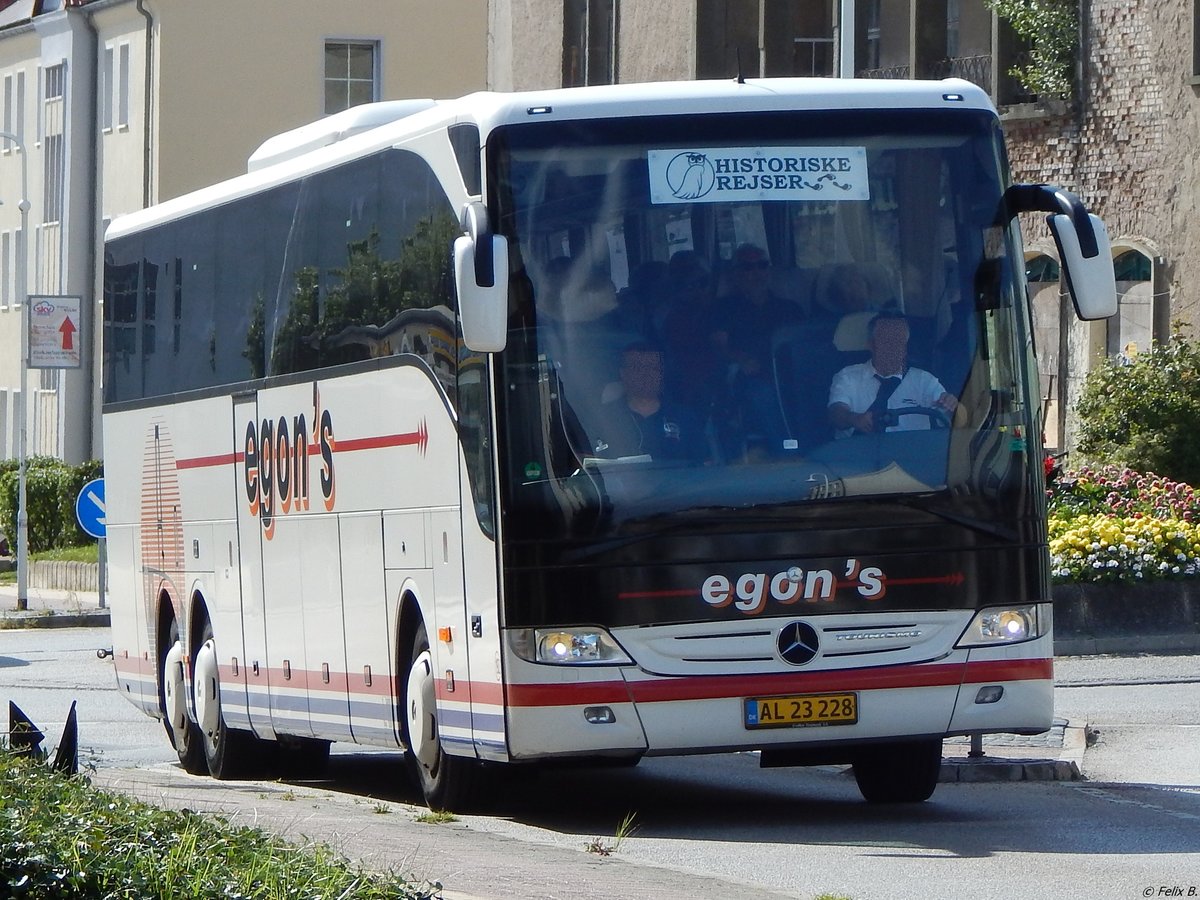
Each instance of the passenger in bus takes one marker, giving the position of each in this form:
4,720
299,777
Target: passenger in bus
686,328
640,422
749,316
871,396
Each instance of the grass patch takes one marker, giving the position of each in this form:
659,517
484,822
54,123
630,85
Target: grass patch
61,837
436,817
625,829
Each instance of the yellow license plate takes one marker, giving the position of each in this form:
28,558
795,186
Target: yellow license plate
801,709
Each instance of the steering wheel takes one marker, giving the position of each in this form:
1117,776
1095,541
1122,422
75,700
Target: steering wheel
938,417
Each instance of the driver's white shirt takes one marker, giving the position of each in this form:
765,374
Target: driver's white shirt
856,386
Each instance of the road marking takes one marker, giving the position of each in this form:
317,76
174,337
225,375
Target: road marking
1103,794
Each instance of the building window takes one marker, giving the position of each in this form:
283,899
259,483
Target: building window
14,109
108,77
589,42
52,178
750,38
9,110
55,82
351,74
1132,329
122,94
6,270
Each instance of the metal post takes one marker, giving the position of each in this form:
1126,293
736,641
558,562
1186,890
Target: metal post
847,35
23,296
102,578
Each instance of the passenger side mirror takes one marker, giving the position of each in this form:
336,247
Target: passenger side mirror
1090,276
481,277
1082,242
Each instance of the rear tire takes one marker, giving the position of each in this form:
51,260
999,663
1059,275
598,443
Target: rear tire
904,772
186,737
447,782
228,752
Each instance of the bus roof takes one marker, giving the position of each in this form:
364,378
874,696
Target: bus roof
362,130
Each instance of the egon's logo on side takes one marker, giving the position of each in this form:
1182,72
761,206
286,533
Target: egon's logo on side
277,465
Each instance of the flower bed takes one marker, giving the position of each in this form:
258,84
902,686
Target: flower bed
1115,525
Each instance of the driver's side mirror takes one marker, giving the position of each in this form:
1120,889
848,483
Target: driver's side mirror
481,277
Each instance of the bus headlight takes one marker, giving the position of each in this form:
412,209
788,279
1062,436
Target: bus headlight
568,646
1002,625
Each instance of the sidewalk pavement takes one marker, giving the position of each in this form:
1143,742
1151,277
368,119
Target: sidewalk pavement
1056,755
51,608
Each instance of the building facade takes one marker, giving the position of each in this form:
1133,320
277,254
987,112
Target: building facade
118,104
1122,136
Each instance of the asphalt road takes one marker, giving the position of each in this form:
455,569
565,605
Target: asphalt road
714,826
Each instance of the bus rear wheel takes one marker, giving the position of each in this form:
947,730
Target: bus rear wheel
181,731
228,752
447,782
905,772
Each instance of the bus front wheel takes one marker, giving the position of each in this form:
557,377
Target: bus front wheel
228,752
898,773
446,781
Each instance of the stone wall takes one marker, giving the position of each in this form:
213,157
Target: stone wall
1130,153
65,576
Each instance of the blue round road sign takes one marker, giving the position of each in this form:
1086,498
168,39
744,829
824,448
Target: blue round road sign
89,508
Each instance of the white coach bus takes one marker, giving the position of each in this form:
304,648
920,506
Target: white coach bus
498,430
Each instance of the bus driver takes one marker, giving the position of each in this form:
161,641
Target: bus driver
885,383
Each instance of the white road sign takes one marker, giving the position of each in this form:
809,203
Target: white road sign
55,339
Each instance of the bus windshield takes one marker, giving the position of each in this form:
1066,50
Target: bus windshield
757,310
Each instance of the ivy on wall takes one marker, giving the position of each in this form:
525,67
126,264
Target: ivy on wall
1051,28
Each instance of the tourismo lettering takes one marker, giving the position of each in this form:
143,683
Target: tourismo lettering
750,591
277,464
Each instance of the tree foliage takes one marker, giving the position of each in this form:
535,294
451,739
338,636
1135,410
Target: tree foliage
1051,27
51,488
1144,413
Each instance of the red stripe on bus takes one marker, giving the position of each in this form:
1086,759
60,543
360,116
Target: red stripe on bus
418,438
205,462
719,687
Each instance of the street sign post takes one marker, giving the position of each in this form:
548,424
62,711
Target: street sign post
89,511
89,508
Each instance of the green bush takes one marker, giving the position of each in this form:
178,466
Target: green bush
1144,413
60,837
51,488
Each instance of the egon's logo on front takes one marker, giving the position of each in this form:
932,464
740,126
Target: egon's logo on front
750,591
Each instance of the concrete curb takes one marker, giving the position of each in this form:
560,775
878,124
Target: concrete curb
1137,643
45,618
1066,766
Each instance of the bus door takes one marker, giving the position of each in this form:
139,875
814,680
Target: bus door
302,571
250,568
454,685
364,601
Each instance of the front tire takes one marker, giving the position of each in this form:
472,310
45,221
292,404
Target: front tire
228,752
447,782
898,773
182,732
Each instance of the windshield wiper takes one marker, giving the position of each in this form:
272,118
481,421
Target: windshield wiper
1008,535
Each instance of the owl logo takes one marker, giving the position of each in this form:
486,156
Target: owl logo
690,175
